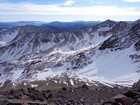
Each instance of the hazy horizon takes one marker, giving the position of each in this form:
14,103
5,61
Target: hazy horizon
67,21
69,10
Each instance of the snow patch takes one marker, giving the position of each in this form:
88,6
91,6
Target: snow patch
71,81
34,85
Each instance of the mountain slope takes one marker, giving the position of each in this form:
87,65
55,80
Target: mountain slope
107,53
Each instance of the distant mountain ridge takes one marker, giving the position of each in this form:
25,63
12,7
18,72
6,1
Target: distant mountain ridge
20,23
72,25
62,25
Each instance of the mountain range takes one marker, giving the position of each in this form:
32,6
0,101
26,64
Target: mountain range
94,53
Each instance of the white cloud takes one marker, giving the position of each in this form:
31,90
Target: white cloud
68,2
131,0
34,9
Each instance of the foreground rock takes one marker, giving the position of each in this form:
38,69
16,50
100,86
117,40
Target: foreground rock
83,95
131,97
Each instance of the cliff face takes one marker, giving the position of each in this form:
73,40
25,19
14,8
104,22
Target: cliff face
136,85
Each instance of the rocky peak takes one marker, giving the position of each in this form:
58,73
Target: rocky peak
137,22
104,26
120,25
108,23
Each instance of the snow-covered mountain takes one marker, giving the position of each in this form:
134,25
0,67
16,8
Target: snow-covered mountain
107,53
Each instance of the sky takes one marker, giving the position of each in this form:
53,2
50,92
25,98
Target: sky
69,10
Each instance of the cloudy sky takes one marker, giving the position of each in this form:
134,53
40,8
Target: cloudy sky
69,10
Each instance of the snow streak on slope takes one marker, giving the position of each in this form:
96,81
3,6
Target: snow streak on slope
7,37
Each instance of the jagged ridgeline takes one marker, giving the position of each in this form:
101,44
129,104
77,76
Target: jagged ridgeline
96,54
